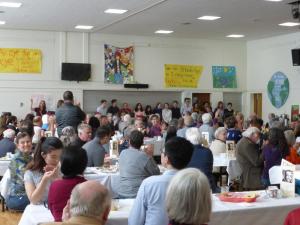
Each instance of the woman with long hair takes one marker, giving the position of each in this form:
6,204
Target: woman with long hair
273,152
139,113
43,169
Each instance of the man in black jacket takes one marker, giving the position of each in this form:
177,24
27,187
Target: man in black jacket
68,114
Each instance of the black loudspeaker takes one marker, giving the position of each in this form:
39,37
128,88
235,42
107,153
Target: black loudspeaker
296,57
137,86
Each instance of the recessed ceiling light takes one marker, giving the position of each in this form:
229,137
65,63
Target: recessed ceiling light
116,11
10,4
289,24
84,27
235,35
273,0
2,22
164,31
209,18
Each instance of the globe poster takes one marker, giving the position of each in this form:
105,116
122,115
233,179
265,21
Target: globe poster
278,89
224,77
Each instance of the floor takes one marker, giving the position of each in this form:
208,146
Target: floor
9,218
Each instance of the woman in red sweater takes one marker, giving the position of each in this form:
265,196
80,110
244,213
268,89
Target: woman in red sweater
73,164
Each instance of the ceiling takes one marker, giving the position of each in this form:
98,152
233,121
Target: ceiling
254,18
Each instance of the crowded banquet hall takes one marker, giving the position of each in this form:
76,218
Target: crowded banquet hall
150,112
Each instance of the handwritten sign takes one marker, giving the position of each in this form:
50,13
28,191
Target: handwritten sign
20,60
183,76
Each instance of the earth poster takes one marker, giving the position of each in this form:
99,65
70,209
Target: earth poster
278,89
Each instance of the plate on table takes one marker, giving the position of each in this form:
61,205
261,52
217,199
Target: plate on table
238,197
111,169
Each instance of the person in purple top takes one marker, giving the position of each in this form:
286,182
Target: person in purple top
155,129
276,150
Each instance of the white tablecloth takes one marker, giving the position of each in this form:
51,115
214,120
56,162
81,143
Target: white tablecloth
36,214
3,166
110,180
265,211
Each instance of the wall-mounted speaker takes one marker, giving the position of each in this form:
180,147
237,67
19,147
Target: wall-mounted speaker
137,86
296,57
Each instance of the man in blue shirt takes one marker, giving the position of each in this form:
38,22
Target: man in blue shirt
149,206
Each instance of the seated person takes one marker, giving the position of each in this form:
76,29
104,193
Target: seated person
155,129
202,158
206,127
135,166
219,144
17,198
250,158
43,169
73,164
84,134
188,198
150,201
233,134
95,149
89,203
293,217
188,122
7,143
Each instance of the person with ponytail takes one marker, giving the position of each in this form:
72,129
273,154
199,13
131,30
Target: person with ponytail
43,169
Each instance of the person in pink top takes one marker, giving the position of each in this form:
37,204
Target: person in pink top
73,164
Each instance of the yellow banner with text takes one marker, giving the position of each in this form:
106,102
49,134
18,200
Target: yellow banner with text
20,60
182,76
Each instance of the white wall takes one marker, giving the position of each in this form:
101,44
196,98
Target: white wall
264,58
150,56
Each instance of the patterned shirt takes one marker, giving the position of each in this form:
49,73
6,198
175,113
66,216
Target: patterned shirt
17,169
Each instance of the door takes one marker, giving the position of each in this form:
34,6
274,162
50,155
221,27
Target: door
235,98
257,104
201,98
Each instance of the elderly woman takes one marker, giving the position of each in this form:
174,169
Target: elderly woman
250,159
188,198
206,127
202,158
219,144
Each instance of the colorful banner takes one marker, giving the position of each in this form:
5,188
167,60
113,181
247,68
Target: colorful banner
20,60
278,89
118,64
224,77
182,76
294,113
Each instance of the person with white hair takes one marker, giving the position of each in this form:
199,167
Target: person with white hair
7,143
188,198
202,158
250,159
219,144
206,127
84,134
89,203
126,120
188,122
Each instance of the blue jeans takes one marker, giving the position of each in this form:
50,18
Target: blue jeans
18,203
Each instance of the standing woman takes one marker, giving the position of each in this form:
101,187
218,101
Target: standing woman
139,112
167,113
17,198
41,110
219,112
43,169
276,150
148,111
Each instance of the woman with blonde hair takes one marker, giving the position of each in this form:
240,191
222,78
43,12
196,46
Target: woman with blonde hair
188,198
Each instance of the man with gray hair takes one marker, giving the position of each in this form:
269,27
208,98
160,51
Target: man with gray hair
89,204
84,134
250,159
7,143
188,122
